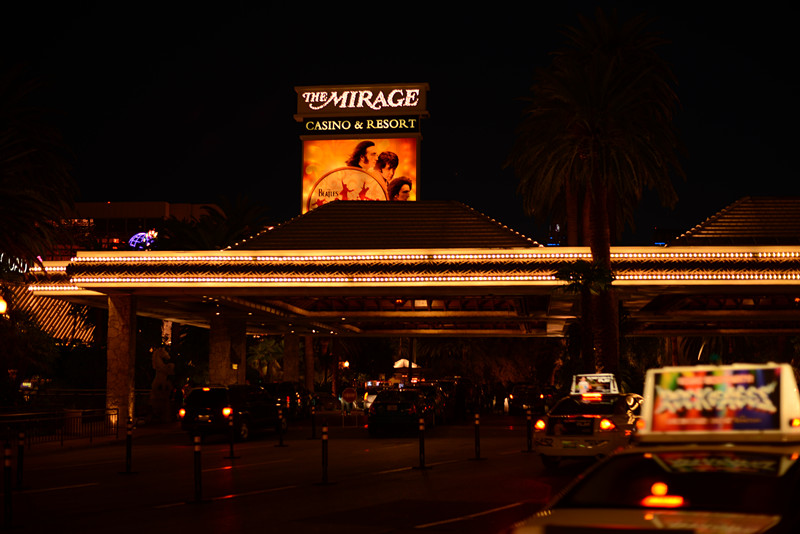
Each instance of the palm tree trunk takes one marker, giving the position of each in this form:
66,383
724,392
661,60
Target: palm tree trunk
605,315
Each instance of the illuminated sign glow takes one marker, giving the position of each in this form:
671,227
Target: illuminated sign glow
408,99
727,399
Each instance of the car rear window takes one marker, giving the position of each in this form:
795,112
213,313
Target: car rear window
717,481
571,406
397,395
211,397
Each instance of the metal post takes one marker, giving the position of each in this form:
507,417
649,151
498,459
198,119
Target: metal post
20,456
198,483
7,491
129,445
280,428
325,454
422,443
232,437
477,436
530,429
313,423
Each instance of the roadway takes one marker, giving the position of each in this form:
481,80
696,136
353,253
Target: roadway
161,484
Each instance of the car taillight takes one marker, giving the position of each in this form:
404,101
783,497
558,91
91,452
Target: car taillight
227,411
607,424
540,424
413,409
182,413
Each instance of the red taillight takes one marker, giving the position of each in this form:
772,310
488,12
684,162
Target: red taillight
227,411
540,424
607,424
182,413
413,409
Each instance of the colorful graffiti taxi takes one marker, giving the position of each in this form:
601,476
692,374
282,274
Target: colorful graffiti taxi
716,452
593,421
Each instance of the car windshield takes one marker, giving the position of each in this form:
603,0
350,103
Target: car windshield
719,481
575,406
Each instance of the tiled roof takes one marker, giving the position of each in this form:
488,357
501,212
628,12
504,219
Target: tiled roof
749,221
387,225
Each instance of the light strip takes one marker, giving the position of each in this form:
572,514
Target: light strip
309,279
514,256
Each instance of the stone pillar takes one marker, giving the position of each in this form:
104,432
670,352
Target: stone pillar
308,356
291,358
121,356
227,355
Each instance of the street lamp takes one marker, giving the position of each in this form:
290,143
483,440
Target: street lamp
3,306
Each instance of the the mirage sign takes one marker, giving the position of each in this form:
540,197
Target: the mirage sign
360,142
356,101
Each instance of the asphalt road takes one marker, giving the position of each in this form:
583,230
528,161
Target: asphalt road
274,484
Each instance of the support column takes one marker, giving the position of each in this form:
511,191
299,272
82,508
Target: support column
308,355
291,358
121,356
227,355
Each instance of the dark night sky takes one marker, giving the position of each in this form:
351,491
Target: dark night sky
184,102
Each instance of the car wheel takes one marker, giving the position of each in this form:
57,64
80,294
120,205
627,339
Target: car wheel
550,462
244,431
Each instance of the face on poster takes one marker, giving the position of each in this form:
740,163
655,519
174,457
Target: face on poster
358,169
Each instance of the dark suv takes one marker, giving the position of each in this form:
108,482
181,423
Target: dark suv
207,410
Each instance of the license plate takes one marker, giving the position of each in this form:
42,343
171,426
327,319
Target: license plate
391,408
569,444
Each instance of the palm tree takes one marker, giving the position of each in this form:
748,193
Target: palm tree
598,132
36,188
237,218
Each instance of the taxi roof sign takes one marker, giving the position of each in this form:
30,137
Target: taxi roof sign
714,403
600,383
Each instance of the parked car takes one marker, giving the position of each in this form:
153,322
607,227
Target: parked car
293,398
326,402
209,409
524,397
443,408
398,411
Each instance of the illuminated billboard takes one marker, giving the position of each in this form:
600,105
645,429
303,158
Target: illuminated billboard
358,169
360,142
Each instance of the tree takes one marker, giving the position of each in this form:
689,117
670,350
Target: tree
597,133
239,218
36,188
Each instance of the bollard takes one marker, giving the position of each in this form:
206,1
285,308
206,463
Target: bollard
232,438
422,443
325,454
20,456
313,424
530,430
478,436
198,483
280,428
7,485
128,447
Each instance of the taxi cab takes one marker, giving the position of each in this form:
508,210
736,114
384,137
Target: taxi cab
594,421
716,452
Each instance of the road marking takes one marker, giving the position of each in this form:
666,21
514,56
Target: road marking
58,488
229,496
229,467
470,516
